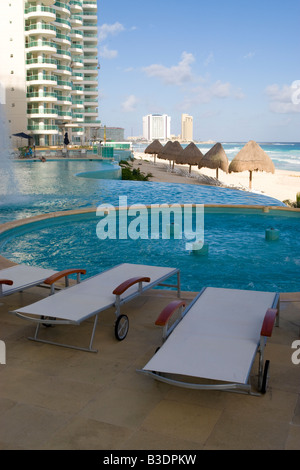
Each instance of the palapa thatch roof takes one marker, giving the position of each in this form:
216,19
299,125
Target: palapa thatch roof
170,151
215,159
154,148
190,155
251,158
165,151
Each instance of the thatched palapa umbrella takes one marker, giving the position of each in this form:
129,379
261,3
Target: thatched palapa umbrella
251,158
190,155
215,158
154,148
170,151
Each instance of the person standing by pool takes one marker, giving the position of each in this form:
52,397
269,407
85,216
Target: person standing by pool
66,143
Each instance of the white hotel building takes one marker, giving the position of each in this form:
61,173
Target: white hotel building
156,126
49,68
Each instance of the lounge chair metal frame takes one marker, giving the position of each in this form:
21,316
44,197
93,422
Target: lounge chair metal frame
122,322
164,320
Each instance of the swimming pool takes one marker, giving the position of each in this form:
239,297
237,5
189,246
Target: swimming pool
236,239
239,256
53,186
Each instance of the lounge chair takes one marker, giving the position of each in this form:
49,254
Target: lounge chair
20,277
213,342
111,288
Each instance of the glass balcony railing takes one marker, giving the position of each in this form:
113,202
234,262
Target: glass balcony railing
41,95
46,127
40,43
40,26
63,52
41,78
41,61
40,8
41,111
62,5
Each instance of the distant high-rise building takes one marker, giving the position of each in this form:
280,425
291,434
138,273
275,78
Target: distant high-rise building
186,127
156,126
49,68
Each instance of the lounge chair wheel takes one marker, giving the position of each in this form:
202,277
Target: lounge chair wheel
121,327
265,377
47,325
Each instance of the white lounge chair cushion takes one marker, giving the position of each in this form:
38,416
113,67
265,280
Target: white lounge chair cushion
218,337
94,294
23,276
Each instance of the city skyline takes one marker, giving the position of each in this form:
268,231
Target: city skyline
231,66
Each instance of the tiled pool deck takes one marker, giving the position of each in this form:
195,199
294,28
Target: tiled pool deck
57,398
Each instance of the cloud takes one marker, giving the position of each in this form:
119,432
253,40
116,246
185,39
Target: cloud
174,75
129,104
284,99
106,30
107,53
210,58
250,55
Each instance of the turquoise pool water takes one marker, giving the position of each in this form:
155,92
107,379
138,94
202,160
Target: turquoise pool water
239,256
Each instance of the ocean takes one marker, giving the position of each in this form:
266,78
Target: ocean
285,155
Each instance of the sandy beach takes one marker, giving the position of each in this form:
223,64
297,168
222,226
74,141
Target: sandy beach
281,185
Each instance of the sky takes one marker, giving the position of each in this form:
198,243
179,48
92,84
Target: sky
232,65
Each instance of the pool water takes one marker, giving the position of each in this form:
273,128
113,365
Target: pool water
54,186
239,256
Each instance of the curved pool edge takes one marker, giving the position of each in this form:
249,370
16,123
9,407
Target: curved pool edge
11,225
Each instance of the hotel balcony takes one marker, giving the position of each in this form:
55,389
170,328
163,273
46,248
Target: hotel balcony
77,104
63,39
77,90
78,117
90,47
64,70
77,77
41,113
76,48
63,85
76,20
63,24
65,115
91,92
64,100
41,79
41,63
63,54
41,97
76,7
62,8
90,102
40,12
77,131
48,129
47,30
90,113
77,62
92,123
89,60
90,5
76,34
90,81
90,69
40,46
89,15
